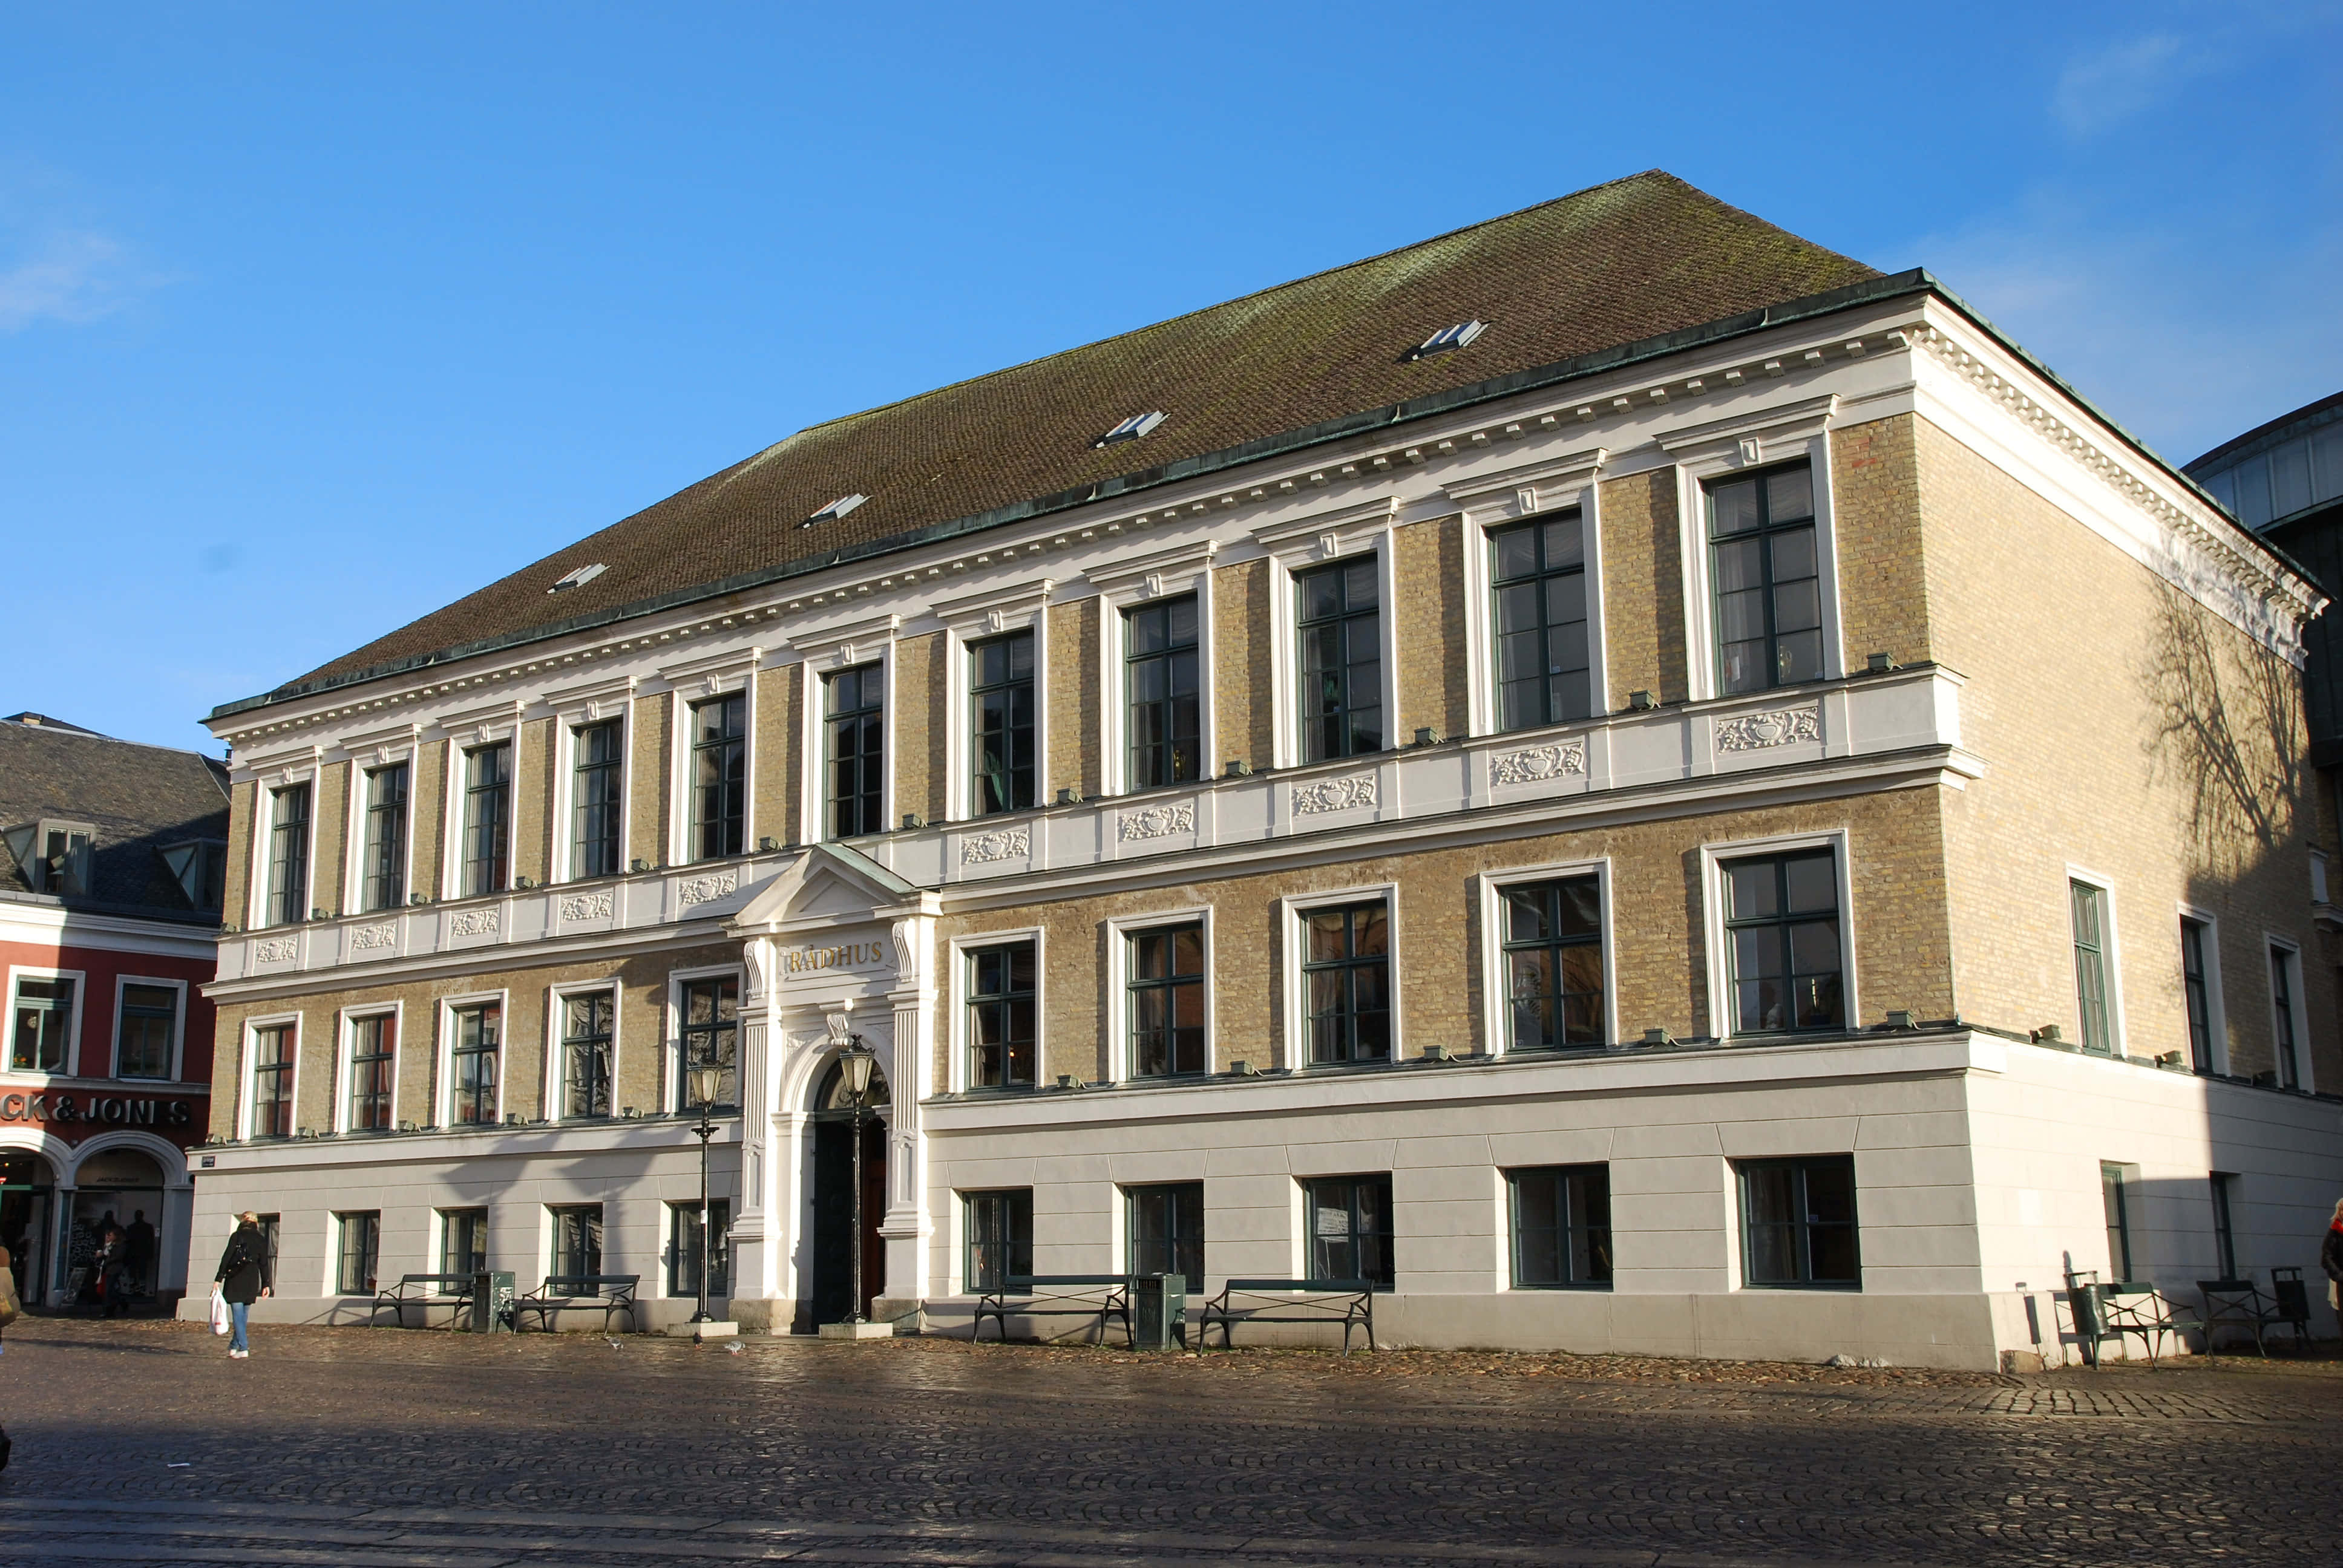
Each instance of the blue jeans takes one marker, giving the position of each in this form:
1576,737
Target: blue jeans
238,1312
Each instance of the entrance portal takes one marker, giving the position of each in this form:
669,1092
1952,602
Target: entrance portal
26,1187
832,1126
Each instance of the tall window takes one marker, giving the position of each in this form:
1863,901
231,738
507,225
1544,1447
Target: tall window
1346,973
683,1242
711,1033
142,1040
361,1247
272,1081
594,801
1781,926
487,811
854,701
374,1043
1000,1230
463,1241
2225,1234
719,777
1798,1227
1000,724
2282,1019
2089,908
1339,622
2117,1203
1000,1016
42,1019
472,1062
1553,963
1167,1230
577,1244
289,855
2197,991
1769,603
1167,1000
588,1025
1538,575
1350,1221
1562,1227
386,838
1160,692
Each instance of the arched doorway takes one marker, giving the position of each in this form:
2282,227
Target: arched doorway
118,1189
28,1193
832,1120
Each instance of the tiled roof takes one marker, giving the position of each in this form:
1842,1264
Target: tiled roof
1617,264
140,799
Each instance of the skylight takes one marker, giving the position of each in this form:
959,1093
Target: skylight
577,576
836,509
1130,430
1449,338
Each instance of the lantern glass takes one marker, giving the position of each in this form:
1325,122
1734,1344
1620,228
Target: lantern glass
707,1084
856,1065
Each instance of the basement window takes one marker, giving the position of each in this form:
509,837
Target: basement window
1130,430
836,509
577,576
1450,337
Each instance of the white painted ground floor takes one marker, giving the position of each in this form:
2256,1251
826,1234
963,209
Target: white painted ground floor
1916,1198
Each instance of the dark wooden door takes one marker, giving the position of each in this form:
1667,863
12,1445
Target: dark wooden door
833,1217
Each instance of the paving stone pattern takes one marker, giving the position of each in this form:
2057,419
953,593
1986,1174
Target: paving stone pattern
141,1444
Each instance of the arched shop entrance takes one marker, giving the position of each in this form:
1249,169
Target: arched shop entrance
122,1188
832,1119
28,1187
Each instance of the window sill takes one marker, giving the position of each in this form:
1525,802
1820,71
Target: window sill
1814,1287
1592,1288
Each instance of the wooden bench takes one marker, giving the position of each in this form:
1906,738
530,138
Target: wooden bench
425,1290
610,1294
1099,1296
2241,1304
1350,1302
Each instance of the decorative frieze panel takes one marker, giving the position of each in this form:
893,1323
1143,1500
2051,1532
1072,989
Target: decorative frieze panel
1335,795
364,937
1008,844
1535,764
474,922
595,906
277,949
1779,727
1157,821
709,889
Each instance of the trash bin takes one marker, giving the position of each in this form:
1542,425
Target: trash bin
492,1299
1159,1311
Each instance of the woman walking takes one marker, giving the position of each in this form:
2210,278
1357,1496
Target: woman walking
2330,1258
243,1278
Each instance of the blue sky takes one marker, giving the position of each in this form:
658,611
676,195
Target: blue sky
314,318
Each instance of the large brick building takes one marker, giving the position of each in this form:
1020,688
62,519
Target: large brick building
1636,781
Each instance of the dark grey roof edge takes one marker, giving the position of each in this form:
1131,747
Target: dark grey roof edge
2270,432
1914,280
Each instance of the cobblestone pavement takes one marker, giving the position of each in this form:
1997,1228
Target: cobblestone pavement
141,1444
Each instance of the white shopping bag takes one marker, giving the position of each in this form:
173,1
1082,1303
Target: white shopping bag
219,1313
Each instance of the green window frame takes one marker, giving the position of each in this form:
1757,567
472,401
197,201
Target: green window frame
1346,982
273,1048
2115,1200
1338,624
1162,693
2087,904
997,1234
577,1243
1766,575
385,883
589,1029
143,1034
360,1253
597,775
719,776
2197,993
1349,1221
1003,994
1166,970
1165,1227
2224,1184
488,814
854,703
374,1043
40,1023
463,1241
1000,725
1553,957
1562,1227
1539,608
473,1050
289,855
710,1010
1799,1226
2285,1033
683,1249
1783,938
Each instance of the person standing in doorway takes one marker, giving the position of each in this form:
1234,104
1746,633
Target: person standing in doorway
138,1252
243,1278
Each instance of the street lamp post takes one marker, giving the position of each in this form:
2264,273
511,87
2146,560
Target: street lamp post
854,1064
707,1084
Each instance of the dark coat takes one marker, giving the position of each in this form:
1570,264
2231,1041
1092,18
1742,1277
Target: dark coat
243,1266
2330,1255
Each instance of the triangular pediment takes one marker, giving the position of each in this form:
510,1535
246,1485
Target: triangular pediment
828,885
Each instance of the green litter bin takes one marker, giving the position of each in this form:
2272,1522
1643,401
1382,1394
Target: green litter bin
492,1297
1159,1311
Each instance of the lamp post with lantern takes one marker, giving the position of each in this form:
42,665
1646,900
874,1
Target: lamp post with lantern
854,1065
707,1080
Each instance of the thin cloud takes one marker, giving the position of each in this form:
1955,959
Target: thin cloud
66,275
2117,83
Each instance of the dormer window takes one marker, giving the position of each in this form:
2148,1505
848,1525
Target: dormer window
1130,430
201,869
54,858
577,576
836,509
1450,337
